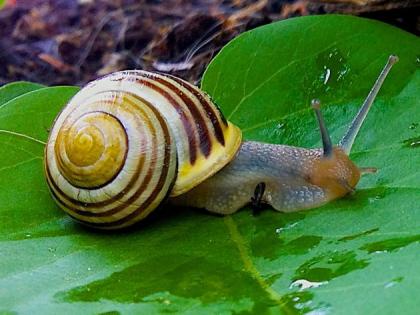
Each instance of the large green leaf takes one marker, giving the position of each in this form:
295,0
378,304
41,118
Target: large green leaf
363,249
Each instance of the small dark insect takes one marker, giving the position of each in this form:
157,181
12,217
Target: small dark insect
256,201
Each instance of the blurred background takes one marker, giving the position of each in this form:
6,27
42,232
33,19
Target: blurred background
58,42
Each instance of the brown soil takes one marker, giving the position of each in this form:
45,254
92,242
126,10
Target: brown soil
74,41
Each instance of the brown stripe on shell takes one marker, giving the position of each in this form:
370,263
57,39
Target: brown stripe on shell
60,162
152,197
127,188
208,107
148,201
203,131
102,203
192,143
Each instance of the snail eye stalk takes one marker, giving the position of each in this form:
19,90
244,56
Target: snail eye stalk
347,141
325,136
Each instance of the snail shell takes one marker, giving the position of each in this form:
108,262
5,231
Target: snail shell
130,139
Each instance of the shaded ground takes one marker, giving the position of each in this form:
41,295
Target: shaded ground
74,41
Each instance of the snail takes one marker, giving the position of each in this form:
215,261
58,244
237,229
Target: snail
129,141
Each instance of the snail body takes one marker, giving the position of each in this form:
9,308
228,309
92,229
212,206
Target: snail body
294,179
130,140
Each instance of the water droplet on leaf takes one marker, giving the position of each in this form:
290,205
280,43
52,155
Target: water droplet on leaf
412,142
285,228
334,73
304,284
389,245
413,126
327,75
393,282
373,199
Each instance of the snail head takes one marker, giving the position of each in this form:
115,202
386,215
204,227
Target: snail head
334,171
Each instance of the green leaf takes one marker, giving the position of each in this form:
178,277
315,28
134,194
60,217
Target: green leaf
12,90
362,250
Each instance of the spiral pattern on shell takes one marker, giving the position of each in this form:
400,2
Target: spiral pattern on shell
127,141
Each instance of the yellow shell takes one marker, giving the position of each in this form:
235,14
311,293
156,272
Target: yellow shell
127,141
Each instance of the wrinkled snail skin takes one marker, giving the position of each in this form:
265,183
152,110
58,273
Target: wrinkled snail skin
131,140
127,141
295,179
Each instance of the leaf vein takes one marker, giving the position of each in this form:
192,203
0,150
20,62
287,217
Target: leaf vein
22,136
20,163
